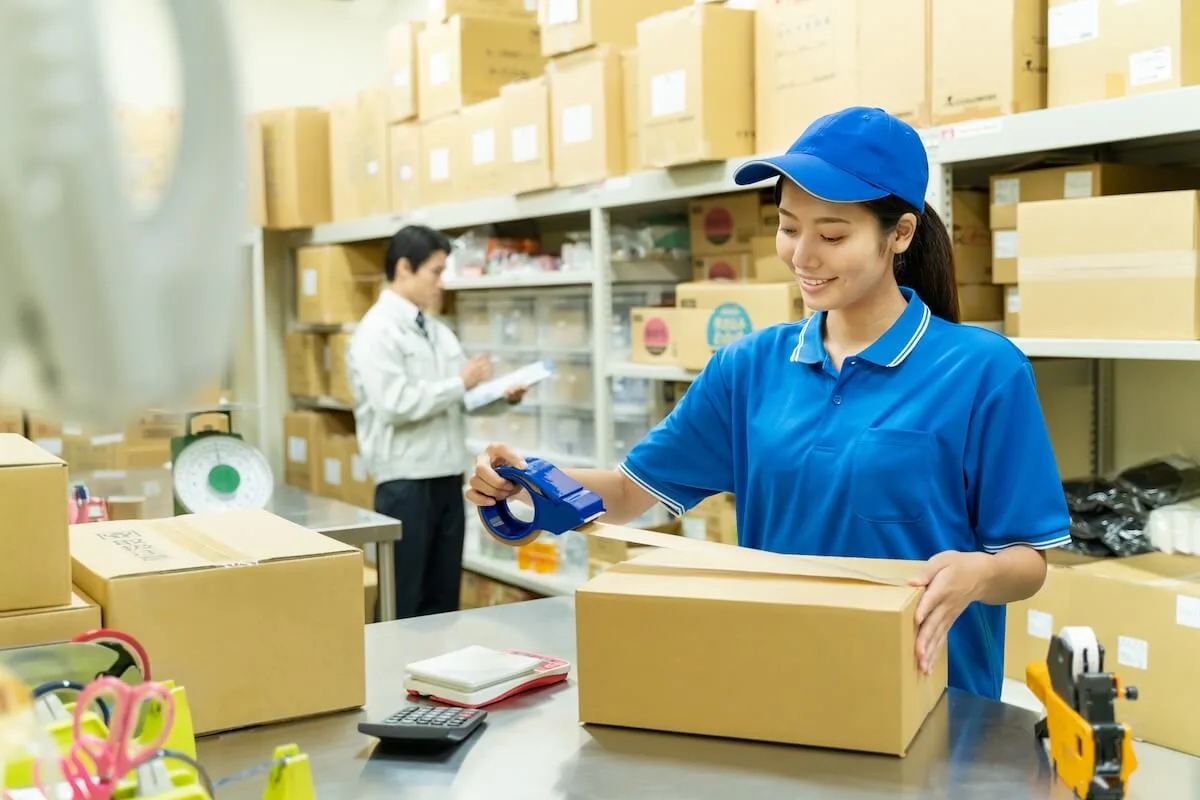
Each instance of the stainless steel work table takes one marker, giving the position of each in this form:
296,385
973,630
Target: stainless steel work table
532,747
346,523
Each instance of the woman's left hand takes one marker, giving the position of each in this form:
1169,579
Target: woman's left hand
952,581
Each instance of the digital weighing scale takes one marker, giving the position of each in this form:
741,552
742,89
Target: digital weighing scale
214,470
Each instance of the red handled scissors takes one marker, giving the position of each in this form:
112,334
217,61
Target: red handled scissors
120,753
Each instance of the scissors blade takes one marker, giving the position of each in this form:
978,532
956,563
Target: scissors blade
72,661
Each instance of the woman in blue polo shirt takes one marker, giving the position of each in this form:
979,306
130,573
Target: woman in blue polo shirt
878,427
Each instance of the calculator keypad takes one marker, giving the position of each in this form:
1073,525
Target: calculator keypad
433,716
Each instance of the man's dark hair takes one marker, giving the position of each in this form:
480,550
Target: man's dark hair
415,243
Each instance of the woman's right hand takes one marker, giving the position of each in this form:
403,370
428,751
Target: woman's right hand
486,487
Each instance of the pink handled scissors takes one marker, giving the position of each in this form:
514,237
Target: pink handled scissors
119,754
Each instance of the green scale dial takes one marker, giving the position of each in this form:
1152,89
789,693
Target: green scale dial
215,470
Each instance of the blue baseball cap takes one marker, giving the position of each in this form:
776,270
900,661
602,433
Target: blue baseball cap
851,156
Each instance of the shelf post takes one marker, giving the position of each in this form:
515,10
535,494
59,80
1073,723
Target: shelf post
602,312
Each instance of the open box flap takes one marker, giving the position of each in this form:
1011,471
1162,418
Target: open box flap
678,553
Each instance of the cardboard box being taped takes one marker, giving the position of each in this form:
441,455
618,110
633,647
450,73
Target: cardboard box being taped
670,640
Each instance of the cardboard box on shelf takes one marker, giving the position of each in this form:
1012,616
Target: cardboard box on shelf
694,65
336,284
972,237
305,433
404,162
817,57
359,487
1138,281
1145,611
1113,48
686,588
467,59
1005,244
724,224
296,166
520,10
443,174
653,336
483,168
525,137
629,89
980,302
339,373
374,174
50,625
1012,311
335,464
571,25
988,59
156,578
714,519
12,420
1098,179
713,314
35,568
307,364
344,143
587,116
727,267
400,50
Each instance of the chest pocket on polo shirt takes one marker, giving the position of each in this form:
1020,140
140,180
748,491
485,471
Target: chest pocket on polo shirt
891,474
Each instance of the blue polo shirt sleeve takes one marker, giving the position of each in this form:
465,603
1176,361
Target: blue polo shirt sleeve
1012,476
689,455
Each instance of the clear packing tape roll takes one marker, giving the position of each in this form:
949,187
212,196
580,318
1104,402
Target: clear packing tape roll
1085,649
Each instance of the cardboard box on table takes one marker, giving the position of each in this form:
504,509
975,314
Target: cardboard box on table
706,638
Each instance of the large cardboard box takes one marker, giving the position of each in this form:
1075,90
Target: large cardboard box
988,58
374,175
1145,611
1100,49
980,302
713,314
225,602
339,370
1080,180
694,67
1138,281
587,116
336,284
404,161
296,167
724,224
571,25
443,173
307,363
819,56
482,124
972,239
632,96
344,143
709,609
653,336
305,434
35,568
525,136
400,48
1030,624
466,60
49,625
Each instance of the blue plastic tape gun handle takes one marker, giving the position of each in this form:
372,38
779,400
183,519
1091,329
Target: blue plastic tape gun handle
560,504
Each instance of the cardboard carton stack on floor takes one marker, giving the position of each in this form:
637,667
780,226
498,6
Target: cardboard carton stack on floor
38,603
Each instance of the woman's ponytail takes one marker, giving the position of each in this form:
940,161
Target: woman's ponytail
927,266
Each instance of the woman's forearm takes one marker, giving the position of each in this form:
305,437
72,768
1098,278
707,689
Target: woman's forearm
1017,573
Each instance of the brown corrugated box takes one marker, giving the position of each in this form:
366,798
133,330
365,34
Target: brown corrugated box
49,625
1138,281
35,568
572,25
225,603
653,337
443,173
1029,624
694,66
404,163
336,284
702,613
725,223
481,159
307,363
296,165
587,116
305,433
466,60
401,56
525,149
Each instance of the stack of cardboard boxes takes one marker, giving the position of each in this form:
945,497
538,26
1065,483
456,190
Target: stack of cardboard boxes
38,604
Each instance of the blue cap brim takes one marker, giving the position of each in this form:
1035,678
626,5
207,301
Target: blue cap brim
817,177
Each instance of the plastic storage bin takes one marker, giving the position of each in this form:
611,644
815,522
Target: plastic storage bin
627,432
569,433
474,322
514,320
572,383
521,429
566,322
631,395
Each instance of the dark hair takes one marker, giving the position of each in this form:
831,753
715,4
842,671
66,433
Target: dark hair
416,243
927,267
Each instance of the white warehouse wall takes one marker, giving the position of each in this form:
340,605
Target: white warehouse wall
290,52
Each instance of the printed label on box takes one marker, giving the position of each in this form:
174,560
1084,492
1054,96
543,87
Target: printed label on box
1012,300
1076,184
308,282
668,93
1006,191
439,164
1073,23
1004,244
1039,624
1132,652
656,336
297,450
402,79
562,12
728,323
333,471
358,469
1187,611
577,124
405,172
524,144
439,69
483,147
1150,66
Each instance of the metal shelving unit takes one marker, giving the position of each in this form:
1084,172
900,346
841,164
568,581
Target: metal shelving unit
1149,121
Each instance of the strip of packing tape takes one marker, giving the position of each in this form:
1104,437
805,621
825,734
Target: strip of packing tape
1115,266
709,556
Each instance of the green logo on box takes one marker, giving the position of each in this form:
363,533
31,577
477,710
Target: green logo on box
728,323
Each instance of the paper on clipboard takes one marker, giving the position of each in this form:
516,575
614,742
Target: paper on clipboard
490,391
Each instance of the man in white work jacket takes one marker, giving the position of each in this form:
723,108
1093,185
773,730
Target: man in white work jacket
409,374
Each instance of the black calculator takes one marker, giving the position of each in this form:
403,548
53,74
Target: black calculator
420,724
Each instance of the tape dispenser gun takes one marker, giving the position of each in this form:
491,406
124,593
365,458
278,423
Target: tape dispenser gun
560,504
